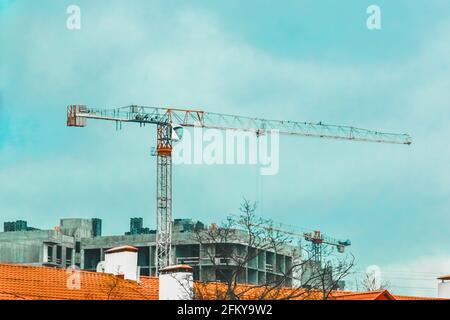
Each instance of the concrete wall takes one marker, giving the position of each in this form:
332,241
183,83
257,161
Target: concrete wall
28,246
29,251
78,228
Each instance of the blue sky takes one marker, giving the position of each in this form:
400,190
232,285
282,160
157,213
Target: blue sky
299,60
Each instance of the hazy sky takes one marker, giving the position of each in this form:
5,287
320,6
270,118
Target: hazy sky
295,60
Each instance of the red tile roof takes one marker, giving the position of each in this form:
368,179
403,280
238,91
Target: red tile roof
217,290
416,298
44,283
370,295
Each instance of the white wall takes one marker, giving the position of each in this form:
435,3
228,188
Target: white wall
176,286
124,262
444,289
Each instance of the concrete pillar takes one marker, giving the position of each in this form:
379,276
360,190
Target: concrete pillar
63,256
54,253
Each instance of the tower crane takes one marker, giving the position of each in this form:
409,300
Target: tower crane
317,239
169,124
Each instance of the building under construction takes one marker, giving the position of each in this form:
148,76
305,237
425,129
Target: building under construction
79,242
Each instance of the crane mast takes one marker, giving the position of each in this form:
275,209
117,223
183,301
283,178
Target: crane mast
164,195
166,119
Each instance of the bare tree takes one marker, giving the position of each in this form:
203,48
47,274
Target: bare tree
242,241
328,276
370,283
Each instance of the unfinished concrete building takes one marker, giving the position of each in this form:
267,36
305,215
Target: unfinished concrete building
78,242
60,247
207,260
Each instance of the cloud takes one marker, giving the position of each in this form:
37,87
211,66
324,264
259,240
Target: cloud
412,277
416,277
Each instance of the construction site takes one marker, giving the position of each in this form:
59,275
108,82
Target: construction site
170,123
208,150
79,242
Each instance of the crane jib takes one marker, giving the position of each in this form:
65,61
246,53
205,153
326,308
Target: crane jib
77,115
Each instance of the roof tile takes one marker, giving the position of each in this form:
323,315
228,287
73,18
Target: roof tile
46,283
42,283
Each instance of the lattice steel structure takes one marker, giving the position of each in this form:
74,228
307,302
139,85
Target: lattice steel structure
318,240
164,195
